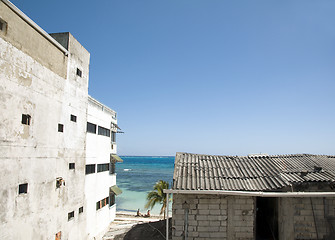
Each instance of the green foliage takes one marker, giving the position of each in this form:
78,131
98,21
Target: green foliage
157,196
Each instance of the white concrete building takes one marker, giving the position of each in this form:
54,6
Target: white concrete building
43,123
100,182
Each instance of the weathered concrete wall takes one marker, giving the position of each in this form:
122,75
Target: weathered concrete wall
305,218
213,217
25,38
98,150
39,80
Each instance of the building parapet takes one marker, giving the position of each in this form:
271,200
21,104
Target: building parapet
102,106
35,26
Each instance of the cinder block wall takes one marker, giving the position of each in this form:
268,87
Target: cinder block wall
306,218
210,217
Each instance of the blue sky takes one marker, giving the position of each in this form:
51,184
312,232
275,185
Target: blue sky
214,77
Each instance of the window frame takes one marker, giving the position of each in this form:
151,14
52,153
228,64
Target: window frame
89,128
73,118
79,72
72,166
102,167
26,119
89,169
104,131
70,216
60,127
23,188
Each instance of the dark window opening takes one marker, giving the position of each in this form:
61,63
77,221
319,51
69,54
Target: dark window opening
60,127
113,136
90,168
81,209
79,73
91,128
59,182
72,165
23,188
70,215
26,119
103,167
102,203
112,167
104,131
3,26
111,198
73,118
266,218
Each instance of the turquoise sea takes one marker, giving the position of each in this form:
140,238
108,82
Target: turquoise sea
136,176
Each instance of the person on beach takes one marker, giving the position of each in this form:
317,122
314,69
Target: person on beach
138,214
148,214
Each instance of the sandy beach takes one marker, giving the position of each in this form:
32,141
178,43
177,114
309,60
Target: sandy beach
126,221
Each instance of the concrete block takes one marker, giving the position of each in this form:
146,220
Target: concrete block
201,217
179,211
203,223
203,212
220,235
214,206
215,223
202,206
203,229
193,234
204,234
214,212
193,223
223,228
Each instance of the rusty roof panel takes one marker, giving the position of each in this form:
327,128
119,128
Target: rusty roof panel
251,173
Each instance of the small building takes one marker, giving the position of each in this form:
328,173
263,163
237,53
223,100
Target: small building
253,197
100,180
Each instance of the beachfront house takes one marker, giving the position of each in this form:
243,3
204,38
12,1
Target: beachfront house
46,149
253,197
100,180
43,102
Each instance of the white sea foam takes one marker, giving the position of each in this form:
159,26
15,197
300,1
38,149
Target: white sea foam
126,169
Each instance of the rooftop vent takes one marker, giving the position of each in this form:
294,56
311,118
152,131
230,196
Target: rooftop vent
317,169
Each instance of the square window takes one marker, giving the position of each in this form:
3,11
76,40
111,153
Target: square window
60,127
70,215
81,209
79,73
72,165
23,188
26,119
73,118
59,182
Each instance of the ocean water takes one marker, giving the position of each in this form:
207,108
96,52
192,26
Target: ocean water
136,176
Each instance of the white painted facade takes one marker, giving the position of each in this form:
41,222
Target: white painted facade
47,81
97,184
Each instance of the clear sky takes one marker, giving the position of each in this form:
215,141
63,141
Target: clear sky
215,77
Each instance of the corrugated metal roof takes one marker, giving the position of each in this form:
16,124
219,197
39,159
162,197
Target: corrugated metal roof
250,173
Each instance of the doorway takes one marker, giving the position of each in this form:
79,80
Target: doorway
266,218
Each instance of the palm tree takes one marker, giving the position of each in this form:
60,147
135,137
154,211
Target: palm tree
157,196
